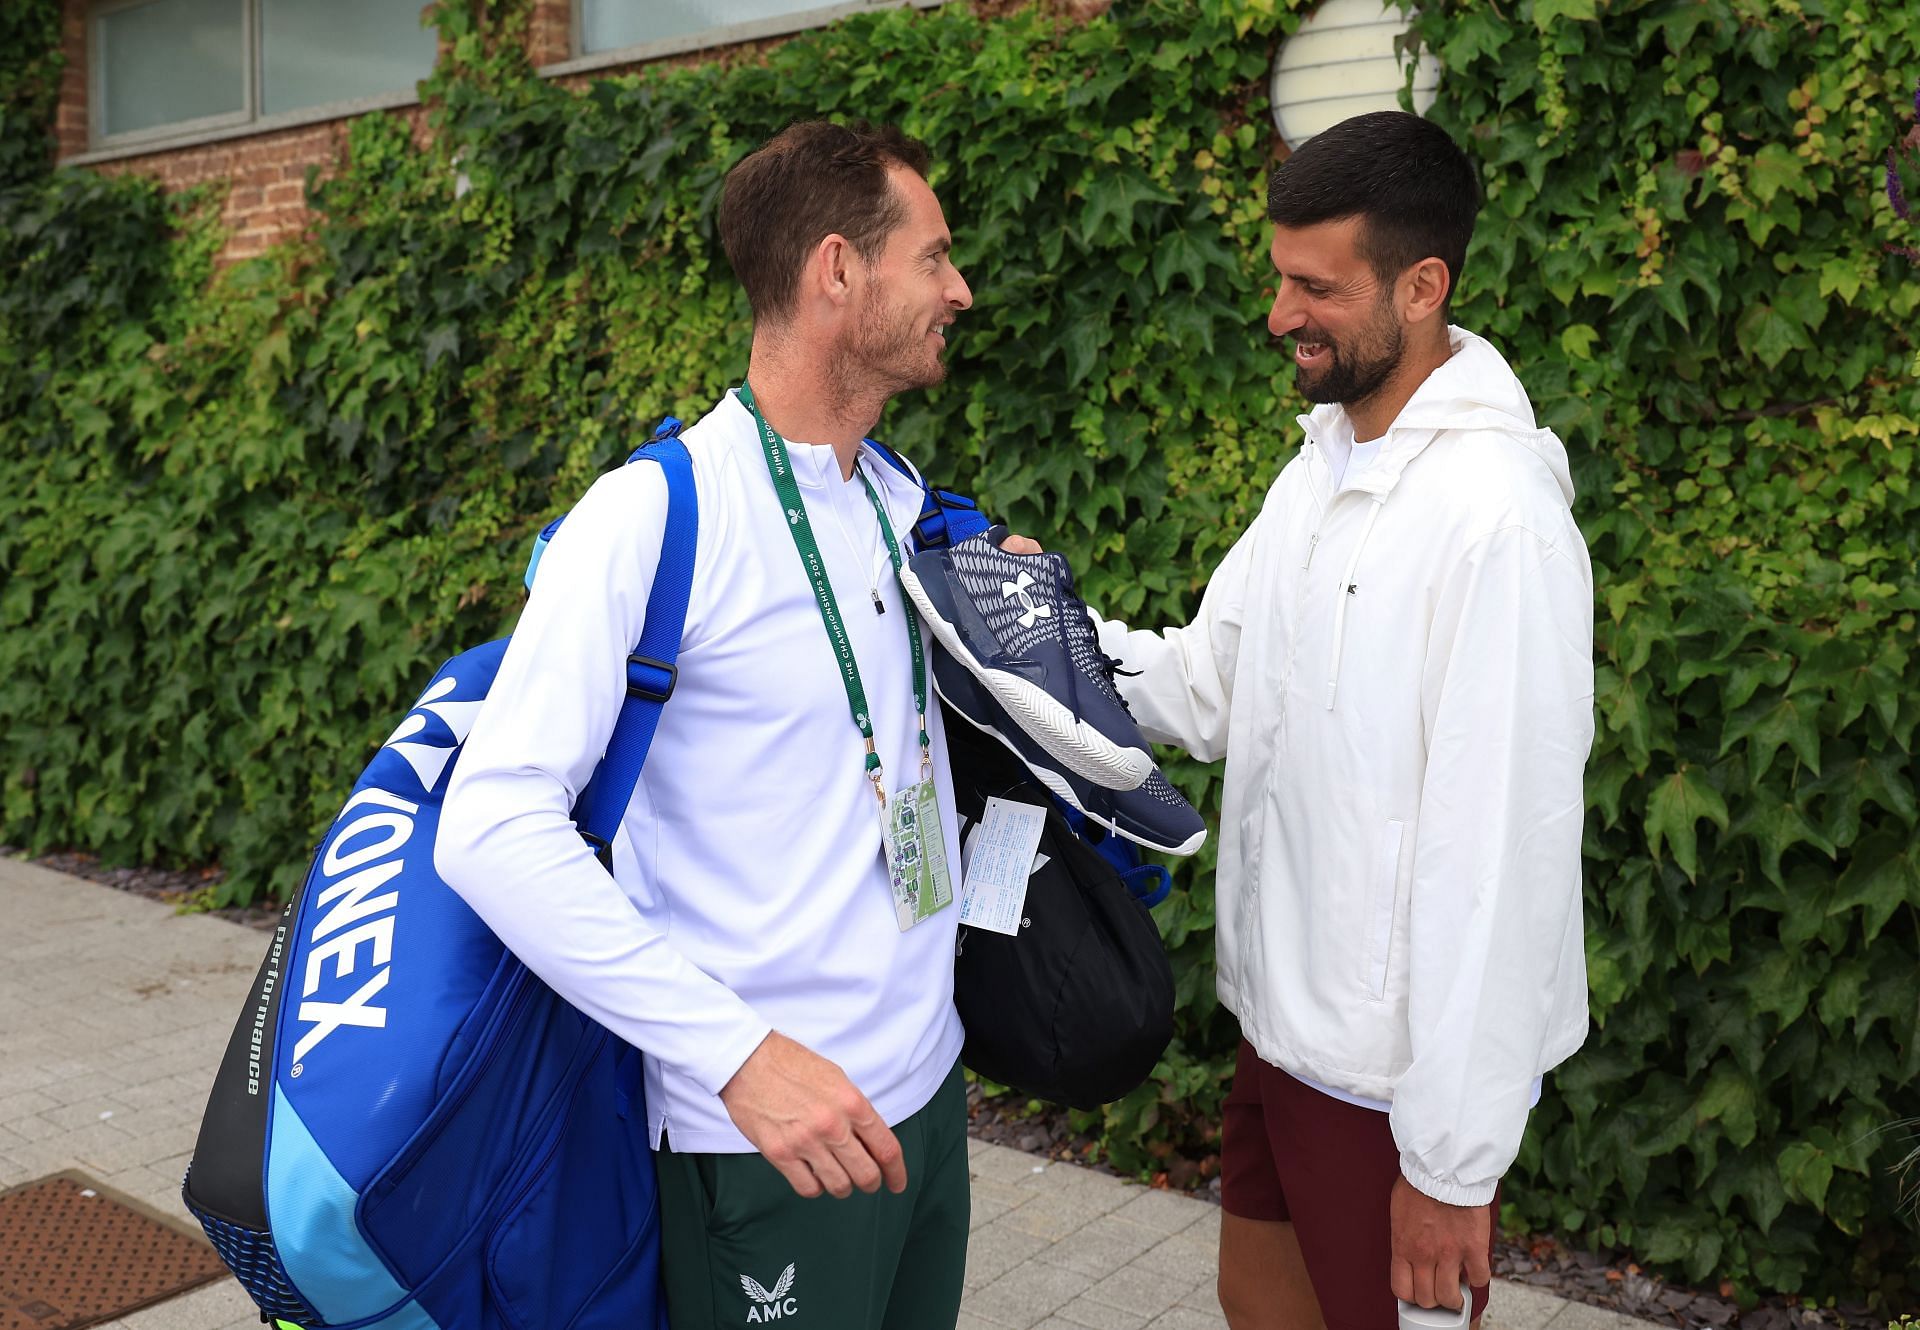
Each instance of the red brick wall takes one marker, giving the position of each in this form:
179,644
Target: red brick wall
265,176
70,119
550,35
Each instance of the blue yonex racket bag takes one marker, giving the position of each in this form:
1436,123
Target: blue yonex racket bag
409,1131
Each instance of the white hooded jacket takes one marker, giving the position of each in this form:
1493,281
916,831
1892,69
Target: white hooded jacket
1399,673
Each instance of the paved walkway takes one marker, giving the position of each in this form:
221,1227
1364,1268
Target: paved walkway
114,1011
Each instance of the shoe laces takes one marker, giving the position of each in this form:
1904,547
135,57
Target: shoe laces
1113,669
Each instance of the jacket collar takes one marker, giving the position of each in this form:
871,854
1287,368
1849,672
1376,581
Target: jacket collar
1474,389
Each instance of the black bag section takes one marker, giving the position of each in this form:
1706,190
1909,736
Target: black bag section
1079,1007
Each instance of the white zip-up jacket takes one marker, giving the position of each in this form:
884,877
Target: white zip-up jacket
748,892
1399,673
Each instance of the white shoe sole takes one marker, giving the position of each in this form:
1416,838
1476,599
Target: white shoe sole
1079,747
1059,787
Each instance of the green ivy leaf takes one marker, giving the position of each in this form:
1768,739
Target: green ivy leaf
1779,983
1755,1182
1776,825
1084,338
1190,254
1547,12
1471,35
1883,875
1806,1172
1675,807
1768,335
441,343
1112,197
1848,789
1775,167
1793,721
1577,340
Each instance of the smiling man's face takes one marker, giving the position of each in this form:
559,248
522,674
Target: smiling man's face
1346,336
913,292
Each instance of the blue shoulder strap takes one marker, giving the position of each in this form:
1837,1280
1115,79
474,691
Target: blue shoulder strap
651,669
945,518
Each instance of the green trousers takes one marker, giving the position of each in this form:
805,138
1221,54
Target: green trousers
742,1248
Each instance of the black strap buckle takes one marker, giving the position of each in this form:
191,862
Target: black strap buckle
602,850
644,676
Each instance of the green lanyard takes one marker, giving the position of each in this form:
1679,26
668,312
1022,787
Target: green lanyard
781,469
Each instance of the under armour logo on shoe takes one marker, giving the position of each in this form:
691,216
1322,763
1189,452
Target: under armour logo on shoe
769,1305
1033,612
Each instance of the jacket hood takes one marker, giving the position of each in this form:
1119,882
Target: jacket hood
1474,390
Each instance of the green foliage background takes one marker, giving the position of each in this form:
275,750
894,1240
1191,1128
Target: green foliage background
245,511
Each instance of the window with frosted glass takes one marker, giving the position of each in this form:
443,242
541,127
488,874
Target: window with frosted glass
170,62
317,51
608,25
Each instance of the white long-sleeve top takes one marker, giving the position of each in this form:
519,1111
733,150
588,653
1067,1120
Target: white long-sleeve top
1399,673
748,892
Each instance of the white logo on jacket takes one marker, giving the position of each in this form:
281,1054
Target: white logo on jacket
769,1305
1010,590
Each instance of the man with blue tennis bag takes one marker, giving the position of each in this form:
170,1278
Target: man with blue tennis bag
710,943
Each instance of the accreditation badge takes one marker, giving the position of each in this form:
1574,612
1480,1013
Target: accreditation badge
916,853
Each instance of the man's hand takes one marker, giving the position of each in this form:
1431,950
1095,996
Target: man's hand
811,1123
1434,1244
1021,545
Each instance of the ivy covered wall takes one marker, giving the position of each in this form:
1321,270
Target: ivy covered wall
244,512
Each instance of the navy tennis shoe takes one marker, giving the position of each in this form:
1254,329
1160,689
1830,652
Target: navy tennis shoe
1014,621
1153,813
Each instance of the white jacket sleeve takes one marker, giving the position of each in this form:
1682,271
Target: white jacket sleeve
1495,929
507,841
1183,692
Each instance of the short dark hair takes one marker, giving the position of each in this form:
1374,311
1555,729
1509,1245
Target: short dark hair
813,179
1414,190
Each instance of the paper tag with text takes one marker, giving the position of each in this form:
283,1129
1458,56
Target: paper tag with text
999,859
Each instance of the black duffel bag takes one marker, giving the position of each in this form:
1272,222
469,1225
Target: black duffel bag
1078,1008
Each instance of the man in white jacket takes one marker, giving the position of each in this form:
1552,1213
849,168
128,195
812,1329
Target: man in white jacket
793,1001
1396,662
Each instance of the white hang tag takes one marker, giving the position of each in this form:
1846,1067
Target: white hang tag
1001,858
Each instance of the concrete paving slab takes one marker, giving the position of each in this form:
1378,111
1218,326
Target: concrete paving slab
1579,1316
1515,1306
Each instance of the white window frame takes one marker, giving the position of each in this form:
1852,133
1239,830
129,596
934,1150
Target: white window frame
206,129
780,25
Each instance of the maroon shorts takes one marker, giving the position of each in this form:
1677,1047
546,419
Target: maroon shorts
1291,1152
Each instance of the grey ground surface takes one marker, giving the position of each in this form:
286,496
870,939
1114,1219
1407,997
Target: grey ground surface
114,1011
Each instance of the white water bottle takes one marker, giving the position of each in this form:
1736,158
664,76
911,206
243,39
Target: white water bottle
1415,1317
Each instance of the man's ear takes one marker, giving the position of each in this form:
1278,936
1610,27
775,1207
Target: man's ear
830,270
1423,290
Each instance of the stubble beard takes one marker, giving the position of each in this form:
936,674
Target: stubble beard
1361,366
889,353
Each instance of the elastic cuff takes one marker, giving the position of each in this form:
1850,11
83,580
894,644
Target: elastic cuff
1445,1190
714,1072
